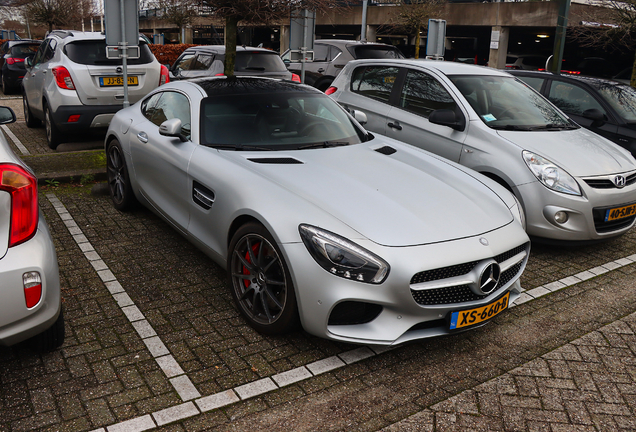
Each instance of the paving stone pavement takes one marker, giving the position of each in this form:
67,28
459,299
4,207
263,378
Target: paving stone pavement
562,362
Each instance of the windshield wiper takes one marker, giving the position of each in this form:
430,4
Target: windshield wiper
238,147
254,68
553,127
324,144
511,127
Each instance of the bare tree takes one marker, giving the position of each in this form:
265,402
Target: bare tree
412,17
256,12
611,25
56,13
179,12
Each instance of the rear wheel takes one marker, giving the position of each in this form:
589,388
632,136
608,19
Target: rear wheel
260,281
31,121
52,337
53,135
6,88
118,180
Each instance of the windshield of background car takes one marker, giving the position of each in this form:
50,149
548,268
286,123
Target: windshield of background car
275,121
259,61
621,97
93,53
375,52
505,103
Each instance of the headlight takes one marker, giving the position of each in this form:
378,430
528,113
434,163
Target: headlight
550,175
518,213
342,257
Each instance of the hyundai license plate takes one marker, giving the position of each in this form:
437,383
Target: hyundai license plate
620,212
474,316
117,81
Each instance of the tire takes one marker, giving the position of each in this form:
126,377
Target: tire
31,121
260,281
53,135
52,337
324,85
121,192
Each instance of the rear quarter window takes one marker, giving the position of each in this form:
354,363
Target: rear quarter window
375,82
93,53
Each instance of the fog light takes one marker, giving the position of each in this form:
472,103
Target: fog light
561,217
32,282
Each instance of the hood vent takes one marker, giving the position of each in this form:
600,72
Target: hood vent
275,161
386,150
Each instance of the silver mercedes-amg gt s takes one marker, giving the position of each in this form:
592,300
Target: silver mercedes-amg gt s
359,237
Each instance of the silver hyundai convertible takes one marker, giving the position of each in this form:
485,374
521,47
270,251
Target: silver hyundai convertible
360,238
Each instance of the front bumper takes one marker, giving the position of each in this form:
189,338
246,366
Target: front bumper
17,323
396,315
584,212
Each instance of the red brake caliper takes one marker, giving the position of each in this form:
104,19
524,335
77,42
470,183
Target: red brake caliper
247,258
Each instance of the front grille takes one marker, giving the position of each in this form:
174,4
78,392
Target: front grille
461,293
602,226
605,183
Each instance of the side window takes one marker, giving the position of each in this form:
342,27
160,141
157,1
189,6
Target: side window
533,82
185,62
202,62
173,105
572,98
40,53
375,82
50,51
422,94
321,52
149,105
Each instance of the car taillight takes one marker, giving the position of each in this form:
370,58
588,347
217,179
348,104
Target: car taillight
32,282
63,78
12,60
22,186
165,76
331,90
295,78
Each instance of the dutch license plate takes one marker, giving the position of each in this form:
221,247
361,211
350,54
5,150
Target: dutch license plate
470,317
117,81
620,212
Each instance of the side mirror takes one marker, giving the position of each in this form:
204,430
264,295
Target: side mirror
596,115
446,117
6,115
28,62
287,62
172,128
359,116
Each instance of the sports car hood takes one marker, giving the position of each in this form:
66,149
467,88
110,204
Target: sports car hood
580,152
402,199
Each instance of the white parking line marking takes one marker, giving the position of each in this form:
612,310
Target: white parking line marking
188,392
15,140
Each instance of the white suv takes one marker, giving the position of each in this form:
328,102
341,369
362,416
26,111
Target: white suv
73,87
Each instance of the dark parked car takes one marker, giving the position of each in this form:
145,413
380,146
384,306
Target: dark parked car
206,61
331,55
12,62
602,106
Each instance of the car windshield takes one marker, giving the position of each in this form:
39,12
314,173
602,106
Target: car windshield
275,121
503,102
621,97
24,50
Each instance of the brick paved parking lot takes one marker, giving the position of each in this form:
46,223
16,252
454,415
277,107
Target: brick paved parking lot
154,342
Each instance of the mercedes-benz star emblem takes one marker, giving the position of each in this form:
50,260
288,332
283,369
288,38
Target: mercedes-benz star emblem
619,181
489,278
483,241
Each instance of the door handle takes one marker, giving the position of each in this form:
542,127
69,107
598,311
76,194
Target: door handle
143,137
395,125
321,70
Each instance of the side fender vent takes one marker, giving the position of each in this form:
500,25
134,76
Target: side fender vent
386,150
275,161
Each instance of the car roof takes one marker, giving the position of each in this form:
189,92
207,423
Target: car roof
593,81
220,49
347,42
217,86
443,67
